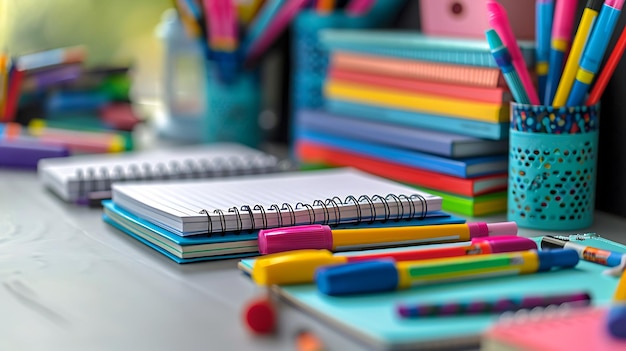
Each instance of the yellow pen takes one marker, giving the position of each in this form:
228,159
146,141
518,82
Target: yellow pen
585,27
317,236
298,266
4,79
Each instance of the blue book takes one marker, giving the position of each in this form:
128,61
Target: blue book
470,167
370,321
479,129
203,247
417,46
419,139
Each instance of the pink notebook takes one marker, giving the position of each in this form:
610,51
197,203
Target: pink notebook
458,91
425,70
581,329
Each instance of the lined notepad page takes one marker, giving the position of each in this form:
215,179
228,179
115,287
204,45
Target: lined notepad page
255,202
71,177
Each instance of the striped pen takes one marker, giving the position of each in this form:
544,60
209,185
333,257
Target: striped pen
500,305
503,59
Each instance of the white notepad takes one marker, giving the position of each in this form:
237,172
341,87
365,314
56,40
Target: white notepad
74,177
330,196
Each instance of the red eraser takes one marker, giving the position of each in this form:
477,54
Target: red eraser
260,316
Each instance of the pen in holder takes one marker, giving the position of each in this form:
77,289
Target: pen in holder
553,154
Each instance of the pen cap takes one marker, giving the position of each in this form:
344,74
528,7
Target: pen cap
292,267
559,258
357,278
616,321
550,242
481,229
314,236
511,243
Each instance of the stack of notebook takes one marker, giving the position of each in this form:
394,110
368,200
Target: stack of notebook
430,112
191,220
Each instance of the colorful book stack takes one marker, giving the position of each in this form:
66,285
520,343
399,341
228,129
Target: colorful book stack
428,111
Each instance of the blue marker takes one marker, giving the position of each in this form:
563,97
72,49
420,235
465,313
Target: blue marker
543,28
559,45
503,58
594,50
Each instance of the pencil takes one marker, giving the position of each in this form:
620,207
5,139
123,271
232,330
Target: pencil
607,71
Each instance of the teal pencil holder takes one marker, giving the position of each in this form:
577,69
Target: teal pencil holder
552,166
233,108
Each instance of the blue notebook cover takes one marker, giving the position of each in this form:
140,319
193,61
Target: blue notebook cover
428,141
495,131
417,46
370,320
469,167
203,247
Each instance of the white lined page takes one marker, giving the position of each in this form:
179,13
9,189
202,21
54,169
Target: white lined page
177,206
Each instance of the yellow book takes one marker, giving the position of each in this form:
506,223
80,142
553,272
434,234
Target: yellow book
425,103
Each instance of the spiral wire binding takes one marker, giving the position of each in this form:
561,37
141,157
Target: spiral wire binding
363,202
91,179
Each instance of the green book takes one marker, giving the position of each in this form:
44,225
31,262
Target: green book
480,205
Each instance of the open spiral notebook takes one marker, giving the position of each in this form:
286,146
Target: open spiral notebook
371,322
74,178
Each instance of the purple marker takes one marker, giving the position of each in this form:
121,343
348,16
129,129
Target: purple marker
26,154
493,306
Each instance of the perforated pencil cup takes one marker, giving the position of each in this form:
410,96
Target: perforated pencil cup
233,108
552,166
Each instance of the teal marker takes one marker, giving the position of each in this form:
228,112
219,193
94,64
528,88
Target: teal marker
503,58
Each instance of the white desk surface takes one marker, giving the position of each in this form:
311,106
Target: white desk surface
71,282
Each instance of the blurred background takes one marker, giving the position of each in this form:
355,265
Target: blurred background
121,34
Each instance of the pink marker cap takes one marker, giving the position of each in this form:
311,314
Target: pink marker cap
314,236
482,229
617,4
563,24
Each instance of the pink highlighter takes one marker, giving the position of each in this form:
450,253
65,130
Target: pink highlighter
317,236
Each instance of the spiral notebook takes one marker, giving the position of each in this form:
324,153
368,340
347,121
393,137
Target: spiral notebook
74,178
370,320
333,196
573,330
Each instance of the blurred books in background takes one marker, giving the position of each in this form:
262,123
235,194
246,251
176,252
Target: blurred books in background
52,99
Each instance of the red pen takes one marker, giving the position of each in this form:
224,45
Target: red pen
607,71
